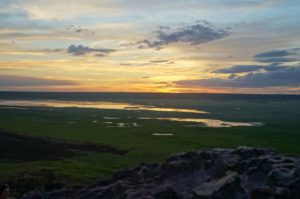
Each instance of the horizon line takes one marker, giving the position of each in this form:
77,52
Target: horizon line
171,93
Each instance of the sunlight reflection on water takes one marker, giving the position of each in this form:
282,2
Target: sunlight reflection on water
19,104
98,105
206,122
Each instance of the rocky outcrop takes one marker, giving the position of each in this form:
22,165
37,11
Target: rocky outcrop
244,173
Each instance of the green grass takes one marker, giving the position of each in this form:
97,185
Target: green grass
280,132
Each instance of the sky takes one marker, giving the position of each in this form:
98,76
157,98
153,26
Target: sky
198,46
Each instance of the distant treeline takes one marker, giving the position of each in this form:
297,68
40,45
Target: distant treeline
96,96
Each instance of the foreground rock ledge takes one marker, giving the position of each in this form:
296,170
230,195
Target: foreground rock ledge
243,173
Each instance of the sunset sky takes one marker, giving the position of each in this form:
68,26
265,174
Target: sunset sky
235,46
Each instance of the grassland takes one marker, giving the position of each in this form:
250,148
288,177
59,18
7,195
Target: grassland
281,131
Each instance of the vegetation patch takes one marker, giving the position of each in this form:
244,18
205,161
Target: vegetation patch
24,148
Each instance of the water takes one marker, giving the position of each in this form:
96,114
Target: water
126,106
91,104
206,122
191,110
162,134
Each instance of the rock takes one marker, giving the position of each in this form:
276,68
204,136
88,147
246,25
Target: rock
262,193
227,187
244,173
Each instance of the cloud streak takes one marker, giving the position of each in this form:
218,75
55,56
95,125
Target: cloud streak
22,81
289,76
238,69
79,30
249,68
81,50
286,55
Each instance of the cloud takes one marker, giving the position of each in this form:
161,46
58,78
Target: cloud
63,10
289,76
162,61
149,63
249,68
199,33
57,50
273,53
286,55
258,76
159,61
275,67
21,81
276,59
80,50
80,30
238,69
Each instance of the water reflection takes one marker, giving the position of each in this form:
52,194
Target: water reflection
206,122
121,124
162,134
98,105
20,104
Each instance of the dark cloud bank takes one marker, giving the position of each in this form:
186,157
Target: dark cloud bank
199,33
279,73
287,77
